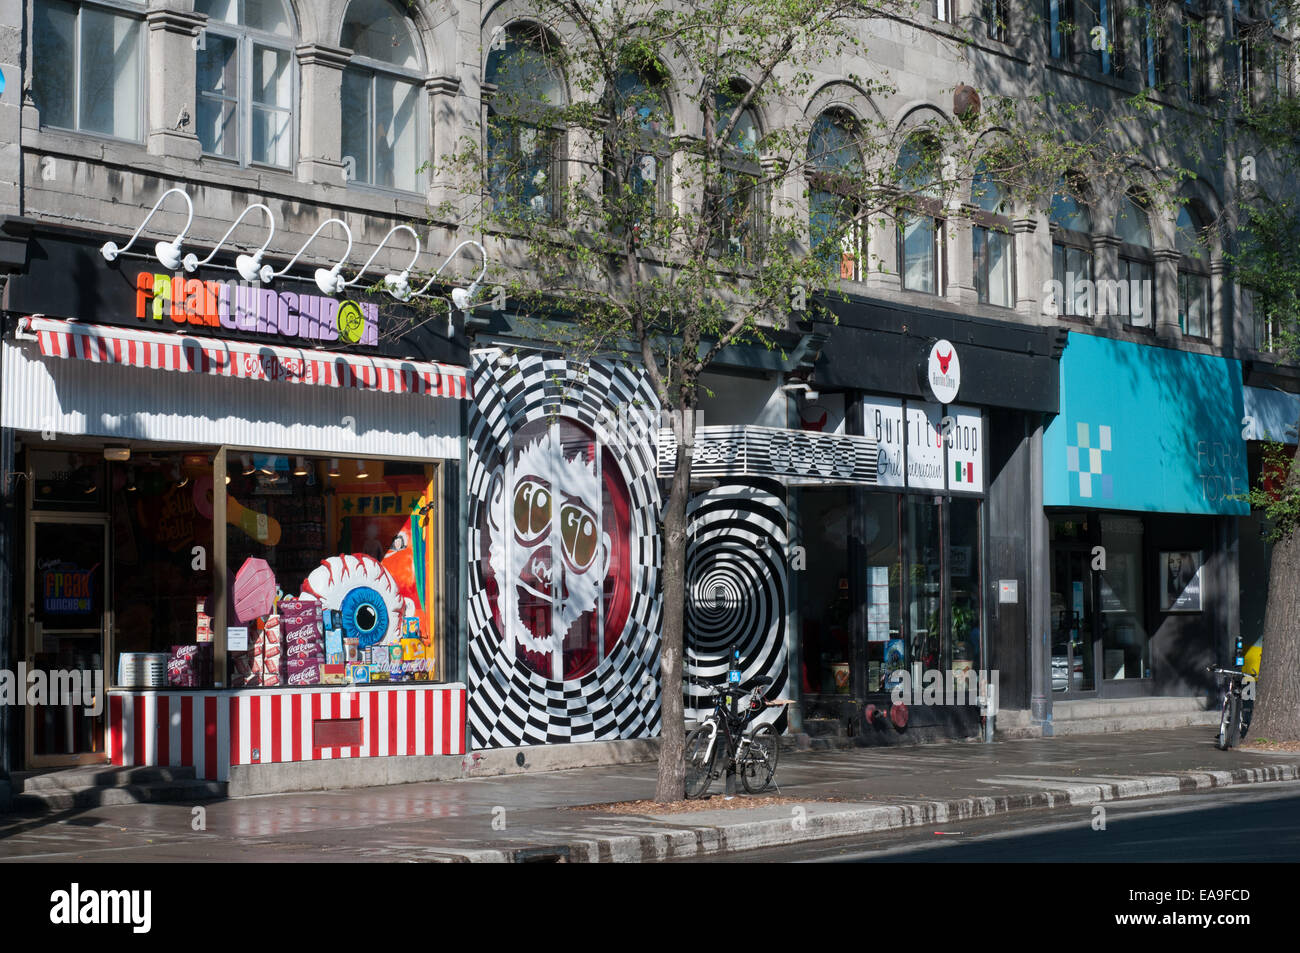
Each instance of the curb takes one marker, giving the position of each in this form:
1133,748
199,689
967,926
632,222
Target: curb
650,844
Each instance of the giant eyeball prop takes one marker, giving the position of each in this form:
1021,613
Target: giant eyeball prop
363,594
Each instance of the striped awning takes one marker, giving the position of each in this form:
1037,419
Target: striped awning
108,344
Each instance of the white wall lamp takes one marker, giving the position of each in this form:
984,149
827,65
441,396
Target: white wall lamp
397,285
460,297
330,282
250,267
168,253
808,392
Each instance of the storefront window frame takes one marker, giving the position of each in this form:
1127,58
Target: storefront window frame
445,639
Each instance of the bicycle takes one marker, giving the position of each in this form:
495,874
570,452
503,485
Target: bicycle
1234,717
754,754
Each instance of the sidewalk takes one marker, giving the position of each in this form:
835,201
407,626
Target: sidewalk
530,817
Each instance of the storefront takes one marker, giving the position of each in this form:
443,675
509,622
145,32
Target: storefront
1141,470
859,556
239,520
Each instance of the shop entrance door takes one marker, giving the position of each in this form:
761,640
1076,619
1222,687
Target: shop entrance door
67,619
1074,630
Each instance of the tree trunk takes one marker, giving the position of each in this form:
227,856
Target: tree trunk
1277,704
671,785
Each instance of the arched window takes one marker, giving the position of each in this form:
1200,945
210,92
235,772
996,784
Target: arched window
381,128
1134,298
741,198
1072,270
525,135
638,144
921,245
87,68
1193,275
835,167
993,244
244,81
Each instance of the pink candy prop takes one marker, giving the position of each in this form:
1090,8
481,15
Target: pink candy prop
254,589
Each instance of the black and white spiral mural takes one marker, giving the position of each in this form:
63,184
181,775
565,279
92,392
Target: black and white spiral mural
736,574
564,552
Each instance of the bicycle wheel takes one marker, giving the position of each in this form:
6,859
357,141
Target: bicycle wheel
1234,720
1225,715
699,758
760,760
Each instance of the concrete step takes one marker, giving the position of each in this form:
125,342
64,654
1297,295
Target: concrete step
47,801
31,782
1100,716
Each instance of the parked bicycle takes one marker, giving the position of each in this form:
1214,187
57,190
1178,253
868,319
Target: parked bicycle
754,754
1237,708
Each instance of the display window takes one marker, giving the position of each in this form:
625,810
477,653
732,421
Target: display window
893,585
332,571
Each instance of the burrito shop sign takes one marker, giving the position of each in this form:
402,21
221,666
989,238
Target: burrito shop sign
163,300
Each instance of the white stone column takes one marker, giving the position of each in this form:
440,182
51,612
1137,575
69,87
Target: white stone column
170,82
1165,295
320,114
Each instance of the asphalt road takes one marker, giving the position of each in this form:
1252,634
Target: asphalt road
1255,824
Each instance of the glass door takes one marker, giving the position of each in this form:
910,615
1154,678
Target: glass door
1074,649
67,610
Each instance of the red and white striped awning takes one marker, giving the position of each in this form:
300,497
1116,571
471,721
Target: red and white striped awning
108,344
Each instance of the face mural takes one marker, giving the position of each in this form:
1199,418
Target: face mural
556,560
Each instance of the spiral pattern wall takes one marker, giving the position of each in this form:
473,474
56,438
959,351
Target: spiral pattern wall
737,561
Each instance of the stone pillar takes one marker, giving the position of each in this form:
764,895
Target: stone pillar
1224,331
320,142
1165,295
959,254
1105,269
169,83
881,267
1030,277
443,92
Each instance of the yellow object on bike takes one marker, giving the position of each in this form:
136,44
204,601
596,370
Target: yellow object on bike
1251,665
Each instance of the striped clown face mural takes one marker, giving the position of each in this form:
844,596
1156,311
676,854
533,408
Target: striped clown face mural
562,551
552,519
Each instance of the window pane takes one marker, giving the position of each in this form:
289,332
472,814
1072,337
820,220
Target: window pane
395,123
271,136
54,27
268,15
919,266
357,122
110,74
377,29
272,131
226,11
218,87
1079,270
1000,256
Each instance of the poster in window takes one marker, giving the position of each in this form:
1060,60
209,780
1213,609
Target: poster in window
925,457
1181,586
1118,583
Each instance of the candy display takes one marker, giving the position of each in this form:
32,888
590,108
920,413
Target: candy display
254,591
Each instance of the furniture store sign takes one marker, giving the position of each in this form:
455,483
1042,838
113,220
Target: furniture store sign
163,301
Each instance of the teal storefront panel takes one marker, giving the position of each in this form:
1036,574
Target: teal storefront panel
1145,428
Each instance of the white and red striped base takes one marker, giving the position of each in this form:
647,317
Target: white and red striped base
212,730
